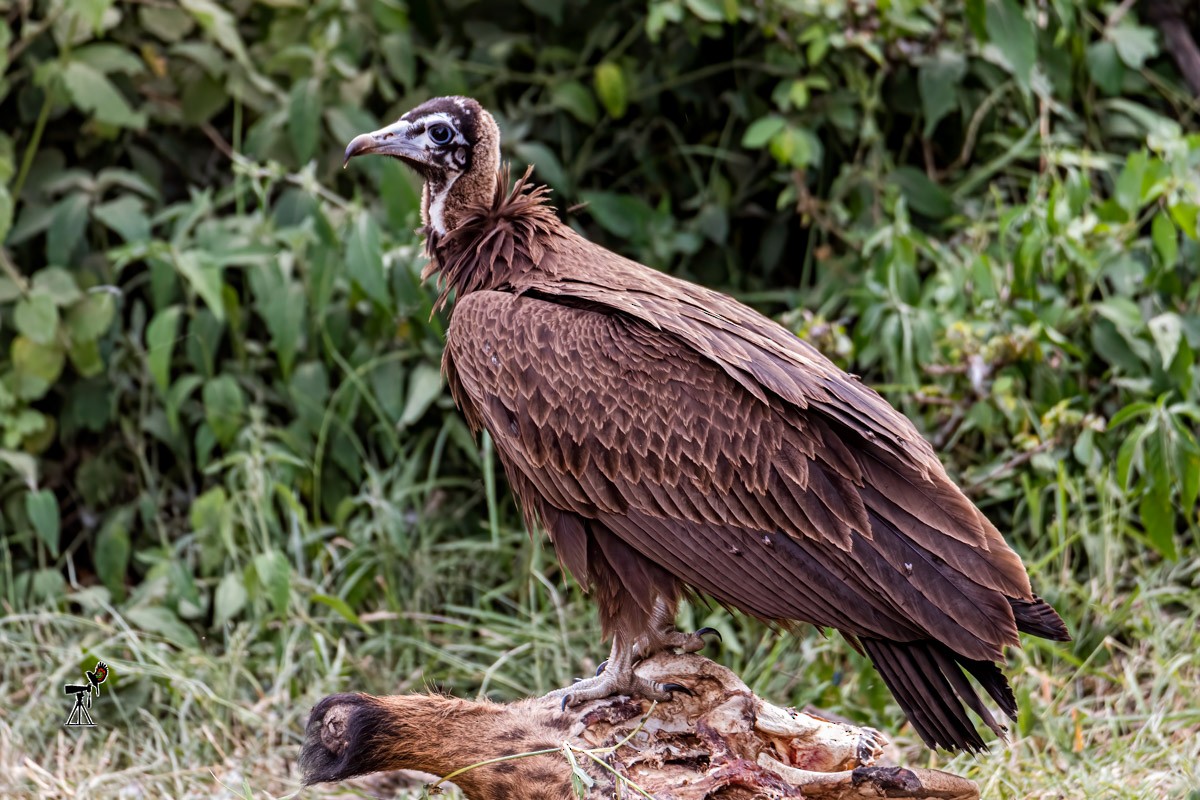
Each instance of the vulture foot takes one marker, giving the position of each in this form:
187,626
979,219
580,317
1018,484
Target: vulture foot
662,635
671,639
616,676
610,684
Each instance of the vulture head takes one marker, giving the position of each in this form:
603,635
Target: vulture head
453,143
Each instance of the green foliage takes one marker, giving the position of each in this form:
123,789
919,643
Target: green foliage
219,391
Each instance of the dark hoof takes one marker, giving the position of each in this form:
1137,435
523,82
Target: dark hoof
340,742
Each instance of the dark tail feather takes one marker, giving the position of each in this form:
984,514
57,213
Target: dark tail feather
1037,617
929,684
993,682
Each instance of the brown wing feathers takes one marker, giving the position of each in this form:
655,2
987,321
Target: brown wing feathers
667,433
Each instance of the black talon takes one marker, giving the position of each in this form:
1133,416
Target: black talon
600,668
701,633
676,687
566,699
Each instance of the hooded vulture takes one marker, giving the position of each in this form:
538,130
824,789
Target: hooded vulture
670,439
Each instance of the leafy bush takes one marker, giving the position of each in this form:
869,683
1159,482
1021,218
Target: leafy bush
219,373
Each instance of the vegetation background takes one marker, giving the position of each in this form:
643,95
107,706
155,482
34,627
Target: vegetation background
229,467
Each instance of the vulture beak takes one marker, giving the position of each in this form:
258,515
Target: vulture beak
391,140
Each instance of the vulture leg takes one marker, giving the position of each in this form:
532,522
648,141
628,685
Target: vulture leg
663,634
637,606
618,677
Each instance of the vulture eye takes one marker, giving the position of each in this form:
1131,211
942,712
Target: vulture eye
440,134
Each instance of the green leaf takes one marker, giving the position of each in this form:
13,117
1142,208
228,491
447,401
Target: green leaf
160,344
9,289
42,509
85,357
923,195
23,464
659,14
68,221
90,318
309,391
229,598
424,386
341,607
5,41
1158,518
203,98
574,98
35,366
109,58
611,88
1105,67
1122,312
1134,43
205,277
220,24
126,216
6,212
1136,409
938,81
26,428
761,131
795,147
976,15
1189,471
1112,345
91,12
550,9
1126,454
1010,31
707,10
274,576
546,164
364,259
93,93
112,552
304,118
1187,217
391,15
618,214
285,314
1156,465
1166,240
58,284
37,318
166,22
209,511
1167,331
162,622
224,408
1129,183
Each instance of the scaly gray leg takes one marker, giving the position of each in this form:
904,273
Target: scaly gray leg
615,674
618,677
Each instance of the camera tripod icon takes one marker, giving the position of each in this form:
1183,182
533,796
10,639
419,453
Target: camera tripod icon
84,692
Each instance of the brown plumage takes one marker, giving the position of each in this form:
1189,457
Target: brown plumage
669,438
